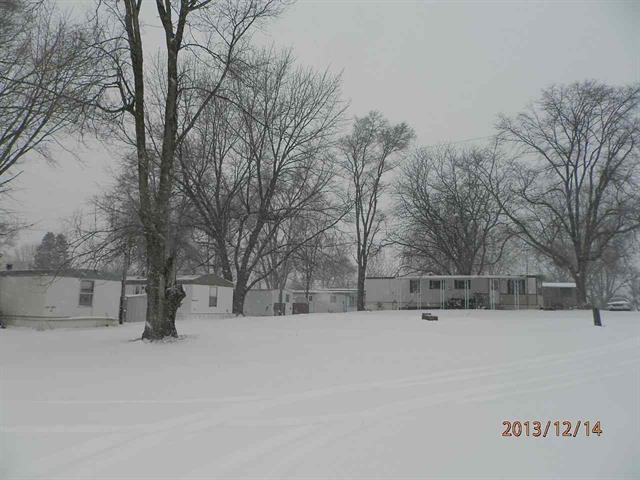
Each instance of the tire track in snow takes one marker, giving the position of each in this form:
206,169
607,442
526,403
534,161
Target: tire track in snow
377,414
149,435
177,401
373,417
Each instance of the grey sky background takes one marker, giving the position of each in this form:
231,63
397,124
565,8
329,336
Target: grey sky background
446,68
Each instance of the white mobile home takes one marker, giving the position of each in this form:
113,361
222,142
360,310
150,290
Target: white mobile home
207,296
47,299
453,291
260,302
331,300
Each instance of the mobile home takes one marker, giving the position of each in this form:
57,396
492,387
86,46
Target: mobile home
331,300
48,299
453,291
260,302
207,296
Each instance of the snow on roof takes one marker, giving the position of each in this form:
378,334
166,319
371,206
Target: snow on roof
558,284
440,277
204,279
277,290
66,273
328,290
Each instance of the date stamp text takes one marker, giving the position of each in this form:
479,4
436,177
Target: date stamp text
557,428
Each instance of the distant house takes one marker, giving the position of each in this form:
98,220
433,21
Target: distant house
207,296
47,299
559,295
453,291
331,300
260,302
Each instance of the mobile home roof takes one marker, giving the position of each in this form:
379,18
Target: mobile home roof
72,273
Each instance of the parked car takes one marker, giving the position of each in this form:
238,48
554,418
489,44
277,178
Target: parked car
621,304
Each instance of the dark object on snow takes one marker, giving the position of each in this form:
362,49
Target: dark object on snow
428,316
596,317
2,325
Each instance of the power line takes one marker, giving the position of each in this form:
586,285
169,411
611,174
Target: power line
455,142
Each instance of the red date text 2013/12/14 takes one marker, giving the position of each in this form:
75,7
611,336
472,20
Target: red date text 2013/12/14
565,428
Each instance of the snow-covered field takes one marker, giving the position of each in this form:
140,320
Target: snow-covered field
359,395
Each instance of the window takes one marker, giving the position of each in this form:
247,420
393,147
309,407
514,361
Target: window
435,284
462,284
332,299
213,296
414,286
310,298
286,298
140,289
86,293
514,284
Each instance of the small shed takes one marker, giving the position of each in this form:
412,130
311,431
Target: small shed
207,296
49,299
559,295
261,302
330,300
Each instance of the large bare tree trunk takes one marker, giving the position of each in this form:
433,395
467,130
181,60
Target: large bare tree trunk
154,207
156,325
159,324
123,284
360,286
161,307
580,277
239,295
193,30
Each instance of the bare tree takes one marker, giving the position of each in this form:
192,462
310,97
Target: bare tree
111,235
614,272
449,222
203,38
368,153
9,10
261,160
25,254
305,263
574,179
275,266
43,83
324,262
385,263
10,227
46,78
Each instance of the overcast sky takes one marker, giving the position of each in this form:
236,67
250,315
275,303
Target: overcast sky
446,68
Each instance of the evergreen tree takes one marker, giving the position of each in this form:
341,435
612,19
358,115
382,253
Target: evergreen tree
52,253
61,251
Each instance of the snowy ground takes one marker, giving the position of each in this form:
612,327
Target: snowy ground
360,395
